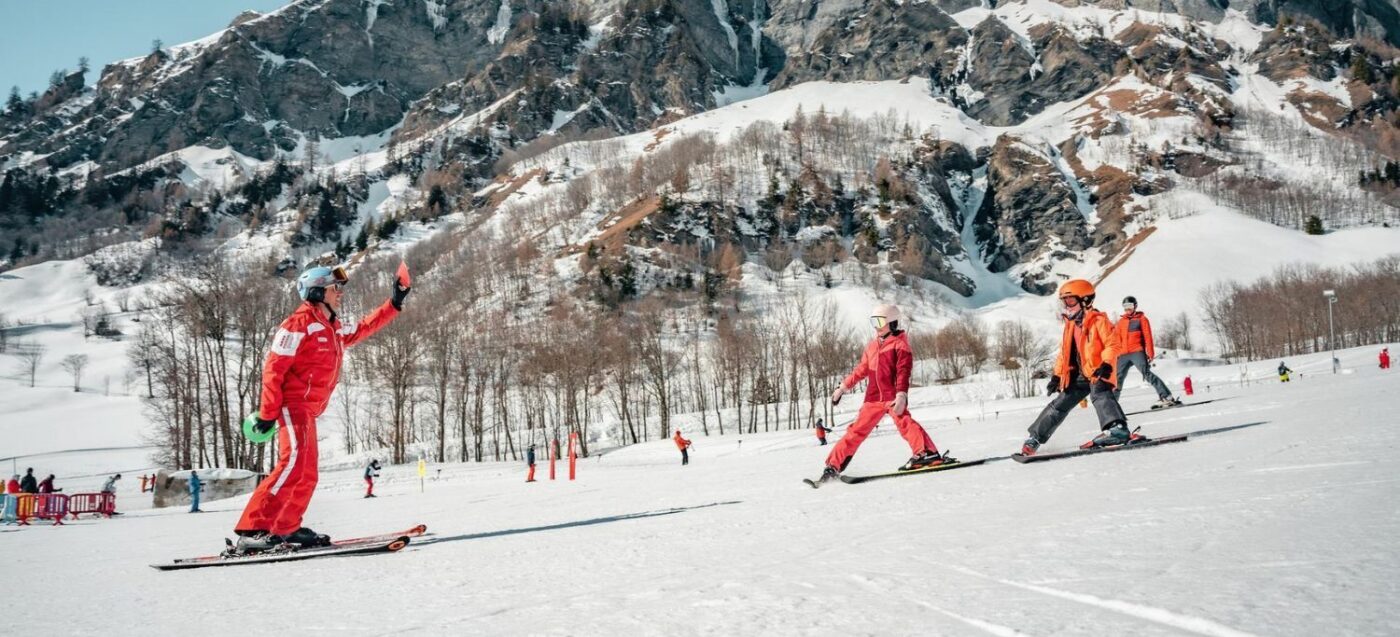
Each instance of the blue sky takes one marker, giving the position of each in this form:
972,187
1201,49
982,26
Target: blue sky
40,36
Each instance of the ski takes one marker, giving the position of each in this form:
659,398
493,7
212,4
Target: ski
895,474
1177,406
382,543
1084,452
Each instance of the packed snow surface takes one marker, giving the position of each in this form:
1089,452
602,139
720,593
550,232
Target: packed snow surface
1283,525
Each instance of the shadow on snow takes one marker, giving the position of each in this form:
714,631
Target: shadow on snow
566,525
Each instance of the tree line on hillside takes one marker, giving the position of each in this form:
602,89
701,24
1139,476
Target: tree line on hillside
1285,313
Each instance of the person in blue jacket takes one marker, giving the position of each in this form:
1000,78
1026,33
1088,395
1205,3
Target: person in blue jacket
196,487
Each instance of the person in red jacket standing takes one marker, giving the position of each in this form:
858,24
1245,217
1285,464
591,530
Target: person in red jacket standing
1135,338
886,365
684,446
1385,358
299,375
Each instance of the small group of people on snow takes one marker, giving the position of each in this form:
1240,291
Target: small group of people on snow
1094,355
30,484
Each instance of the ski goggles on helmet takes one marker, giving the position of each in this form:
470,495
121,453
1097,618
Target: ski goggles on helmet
879,322
327,277
1130,306
1070,300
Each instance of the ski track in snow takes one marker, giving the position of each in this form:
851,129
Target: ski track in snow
1195,625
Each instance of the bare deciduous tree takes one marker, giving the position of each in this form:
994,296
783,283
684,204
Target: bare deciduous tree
75,364
30,356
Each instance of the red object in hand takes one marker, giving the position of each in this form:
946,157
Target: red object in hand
403,275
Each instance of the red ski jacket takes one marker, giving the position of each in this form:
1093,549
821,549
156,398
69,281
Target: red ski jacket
304,364
1135,334
681,443
887,363
12,486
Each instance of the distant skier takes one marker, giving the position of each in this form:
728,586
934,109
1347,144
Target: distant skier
299,376
371,472
1186,385
1385,358
886,365
29,484
1084,367
1283,372
46,485
822,431
110,486
196,487
530,462
684,446
1134,334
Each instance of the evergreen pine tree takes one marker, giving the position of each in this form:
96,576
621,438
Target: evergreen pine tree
362,239
627,280
1361,69
388,228
15,104
1313,225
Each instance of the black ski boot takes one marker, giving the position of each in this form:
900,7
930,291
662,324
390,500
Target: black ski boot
1112,437
828,474
925,460
306,538
251,542
1167,403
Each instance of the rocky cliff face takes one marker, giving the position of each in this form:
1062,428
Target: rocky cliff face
1028,212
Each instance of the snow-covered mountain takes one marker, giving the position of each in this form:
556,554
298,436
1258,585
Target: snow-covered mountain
1028,139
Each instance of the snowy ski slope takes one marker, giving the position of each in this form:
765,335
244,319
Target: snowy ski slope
1285,527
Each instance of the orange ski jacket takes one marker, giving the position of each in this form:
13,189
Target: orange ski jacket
681,443
1095,342
1135,334
887,363
303,366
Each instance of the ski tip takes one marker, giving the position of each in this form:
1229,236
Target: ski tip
398,544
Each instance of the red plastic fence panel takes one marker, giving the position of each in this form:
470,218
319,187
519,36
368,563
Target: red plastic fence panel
99,503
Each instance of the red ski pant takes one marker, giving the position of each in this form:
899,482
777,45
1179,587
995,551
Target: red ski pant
369,485
530,476
279,502
870,416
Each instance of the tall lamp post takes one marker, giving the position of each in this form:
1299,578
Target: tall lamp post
1331,296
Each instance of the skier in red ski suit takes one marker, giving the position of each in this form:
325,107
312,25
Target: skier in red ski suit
299,375
683,445
886,366
1385,358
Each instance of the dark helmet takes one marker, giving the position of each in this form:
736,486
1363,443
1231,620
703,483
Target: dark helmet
1130,299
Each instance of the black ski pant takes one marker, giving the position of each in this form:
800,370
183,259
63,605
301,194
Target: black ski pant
1139,360
685,456
1099,393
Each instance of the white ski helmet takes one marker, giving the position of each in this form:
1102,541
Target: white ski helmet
884,313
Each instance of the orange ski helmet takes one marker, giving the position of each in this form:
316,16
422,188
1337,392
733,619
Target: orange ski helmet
1078,288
